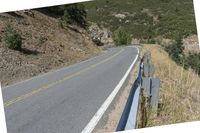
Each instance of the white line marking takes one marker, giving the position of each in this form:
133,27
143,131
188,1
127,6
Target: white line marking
95,119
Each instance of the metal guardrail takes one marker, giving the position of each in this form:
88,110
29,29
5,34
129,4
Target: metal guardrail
146,81
129,115
150,84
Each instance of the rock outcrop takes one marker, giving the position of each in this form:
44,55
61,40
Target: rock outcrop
100,35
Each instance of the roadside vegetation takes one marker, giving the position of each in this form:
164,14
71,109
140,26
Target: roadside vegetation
12,39
121,37
187,61
179,92
69,14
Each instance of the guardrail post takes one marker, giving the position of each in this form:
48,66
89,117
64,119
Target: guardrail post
146,85
149,83
146,70
151,70
155,85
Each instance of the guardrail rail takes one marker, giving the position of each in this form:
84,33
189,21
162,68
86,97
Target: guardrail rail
145,83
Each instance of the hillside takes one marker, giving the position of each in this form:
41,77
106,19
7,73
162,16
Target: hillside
45,46
145,19
179,92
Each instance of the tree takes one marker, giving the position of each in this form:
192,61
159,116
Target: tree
70,14
75,13
121,37
176,50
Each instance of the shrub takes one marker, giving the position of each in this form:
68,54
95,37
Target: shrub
193,61
176,50
75,13
71,14
12,39
121,37
151,41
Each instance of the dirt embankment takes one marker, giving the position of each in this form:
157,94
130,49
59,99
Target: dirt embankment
45,46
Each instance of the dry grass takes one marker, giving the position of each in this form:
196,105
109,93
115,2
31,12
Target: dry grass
179,92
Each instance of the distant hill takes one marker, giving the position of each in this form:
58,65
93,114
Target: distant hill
145,18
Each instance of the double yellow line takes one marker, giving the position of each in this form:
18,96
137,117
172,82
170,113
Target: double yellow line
35,91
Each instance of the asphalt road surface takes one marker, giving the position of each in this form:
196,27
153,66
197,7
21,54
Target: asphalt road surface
65,100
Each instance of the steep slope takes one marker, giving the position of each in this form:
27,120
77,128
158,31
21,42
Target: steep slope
179,92
145,18
45,46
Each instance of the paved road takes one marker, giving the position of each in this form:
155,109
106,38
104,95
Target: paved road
65,100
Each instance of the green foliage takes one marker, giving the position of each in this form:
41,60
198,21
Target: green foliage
12,39
55,10
75,14
151,41
173,17
71,14
193,61
121,37
176,50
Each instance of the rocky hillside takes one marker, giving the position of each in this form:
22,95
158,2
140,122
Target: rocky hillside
46,45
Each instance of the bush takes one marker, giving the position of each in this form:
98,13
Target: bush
151,41
121,37
75,14
176,50
70,14
12,39
193,61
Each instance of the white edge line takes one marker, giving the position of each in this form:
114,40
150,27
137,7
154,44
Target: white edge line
2,114
95,119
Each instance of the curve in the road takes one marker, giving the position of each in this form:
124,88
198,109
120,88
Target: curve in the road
67,100
43,88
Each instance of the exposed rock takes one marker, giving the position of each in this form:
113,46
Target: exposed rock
191,44
101,36
121,16
135,41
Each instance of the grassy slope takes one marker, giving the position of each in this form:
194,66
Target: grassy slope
179,92
174,16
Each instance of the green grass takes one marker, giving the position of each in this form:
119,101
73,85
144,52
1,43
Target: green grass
175,16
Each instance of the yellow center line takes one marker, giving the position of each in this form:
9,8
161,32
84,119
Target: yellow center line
35,91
